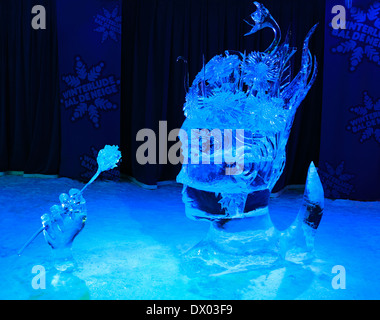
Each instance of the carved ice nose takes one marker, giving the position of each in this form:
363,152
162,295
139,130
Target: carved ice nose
313,198
297,242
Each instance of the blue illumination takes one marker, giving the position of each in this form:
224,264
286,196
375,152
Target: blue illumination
65,221
253,95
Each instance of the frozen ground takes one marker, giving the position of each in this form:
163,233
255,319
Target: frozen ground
132,243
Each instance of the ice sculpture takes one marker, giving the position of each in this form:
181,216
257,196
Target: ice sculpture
241,106
65,221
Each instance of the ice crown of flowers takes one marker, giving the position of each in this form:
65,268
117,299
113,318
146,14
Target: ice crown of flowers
239,82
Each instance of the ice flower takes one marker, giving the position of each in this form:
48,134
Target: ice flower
219,71
260,69
108,158
74,205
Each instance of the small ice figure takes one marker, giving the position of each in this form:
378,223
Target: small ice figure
245,105
66,220
60,227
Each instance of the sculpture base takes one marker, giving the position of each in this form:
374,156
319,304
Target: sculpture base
235,245
64,260
297,242
62,286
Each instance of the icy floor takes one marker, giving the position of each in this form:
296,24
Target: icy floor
132,243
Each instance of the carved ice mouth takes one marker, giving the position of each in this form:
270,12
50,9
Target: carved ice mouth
209,205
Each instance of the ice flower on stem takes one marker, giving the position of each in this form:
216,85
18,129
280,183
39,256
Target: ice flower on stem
72,206
108,158
260,70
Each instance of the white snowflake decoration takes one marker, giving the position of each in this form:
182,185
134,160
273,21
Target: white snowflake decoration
336,183
368,121
109,24
85,78
359,48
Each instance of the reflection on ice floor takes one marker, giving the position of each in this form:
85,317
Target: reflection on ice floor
133,240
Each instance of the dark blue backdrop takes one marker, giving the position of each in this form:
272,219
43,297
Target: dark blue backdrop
89,44
349,163
29,111
61,99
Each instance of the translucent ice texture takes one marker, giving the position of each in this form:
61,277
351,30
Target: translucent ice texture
297,242
108,157
65,220
254,92
242,106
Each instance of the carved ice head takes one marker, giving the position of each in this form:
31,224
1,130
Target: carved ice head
239,111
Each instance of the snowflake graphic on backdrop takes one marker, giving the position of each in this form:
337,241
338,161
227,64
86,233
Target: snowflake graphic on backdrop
361,38
88,91
336,184
89,164
109,24
367,122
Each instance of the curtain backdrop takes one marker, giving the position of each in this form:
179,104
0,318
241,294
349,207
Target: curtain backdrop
29,111
154,34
